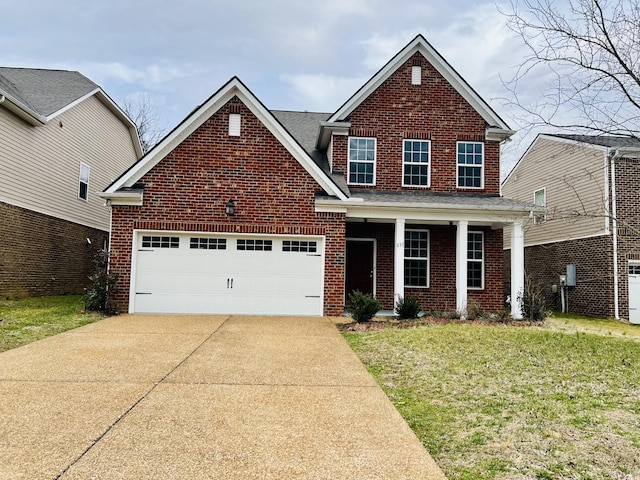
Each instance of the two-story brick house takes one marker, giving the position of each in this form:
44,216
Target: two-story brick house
245,210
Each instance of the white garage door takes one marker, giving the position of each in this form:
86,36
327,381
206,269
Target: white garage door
195,273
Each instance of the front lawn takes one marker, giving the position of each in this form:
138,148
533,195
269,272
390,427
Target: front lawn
504,402
26,320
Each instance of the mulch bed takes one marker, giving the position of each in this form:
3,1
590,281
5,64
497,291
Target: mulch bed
379,324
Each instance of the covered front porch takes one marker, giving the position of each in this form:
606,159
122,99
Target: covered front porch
444,249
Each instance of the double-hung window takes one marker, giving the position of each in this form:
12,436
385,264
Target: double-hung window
540,200
475,260
470,164
83,184
416,258
416,163
362,161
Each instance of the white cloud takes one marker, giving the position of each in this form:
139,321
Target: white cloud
320,92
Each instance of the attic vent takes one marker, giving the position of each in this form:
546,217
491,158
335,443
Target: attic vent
234,125
416,75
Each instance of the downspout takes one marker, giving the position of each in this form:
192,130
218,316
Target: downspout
616,307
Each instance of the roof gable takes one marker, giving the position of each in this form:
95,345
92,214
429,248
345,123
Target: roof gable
120,189
419,44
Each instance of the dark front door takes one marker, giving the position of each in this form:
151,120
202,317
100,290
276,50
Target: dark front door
359,269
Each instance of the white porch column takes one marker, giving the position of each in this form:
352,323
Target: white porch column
398,261
461,266
517,268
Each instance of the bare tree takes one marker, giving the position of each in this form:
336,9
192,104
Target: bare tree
142,110
587,55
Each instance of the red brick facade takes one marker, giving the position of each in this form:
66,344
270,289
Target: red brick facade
274,193
189,188
43,255
433,111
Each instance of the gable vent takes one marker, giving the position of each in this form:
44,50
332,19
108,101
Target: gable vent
234,124
416,75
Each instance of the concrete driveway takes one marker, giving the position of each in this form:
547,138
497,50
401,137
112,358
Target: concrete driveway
190,397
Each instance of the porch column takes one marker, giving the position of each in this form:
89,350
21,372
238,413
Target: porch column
461,266
398,261
517,268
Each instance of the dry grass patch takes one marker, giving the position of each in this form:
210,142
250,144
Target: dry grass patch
513,403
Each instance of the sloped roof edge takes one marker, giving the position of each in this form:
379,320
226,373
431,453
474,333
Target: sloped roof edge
234,87
420,44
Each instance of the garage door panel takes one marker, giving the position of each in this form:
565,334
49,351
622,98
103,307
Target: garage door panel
256,275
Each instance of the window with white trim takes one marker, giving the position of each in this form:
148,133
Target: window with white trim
416,163
540,200
416,258
83,184
470,164
475,260
362,161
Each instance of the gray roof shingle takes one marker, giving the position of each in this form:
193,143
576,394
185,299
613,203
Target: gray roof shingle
610,141
44,91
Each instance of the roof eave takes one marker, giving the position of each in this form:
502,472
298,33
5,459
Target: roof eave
327,130
20,109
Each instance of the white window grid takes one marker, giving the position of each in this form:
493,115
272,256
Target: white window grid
362,161
416,258
83,182
470,164
475,260
416,163
540,200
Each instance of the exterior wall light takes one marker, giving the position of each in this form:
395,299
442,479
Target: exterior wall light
230,208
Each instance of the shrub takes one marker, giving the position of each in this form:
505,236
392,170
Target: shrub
362,306
532,301
98,298
407,307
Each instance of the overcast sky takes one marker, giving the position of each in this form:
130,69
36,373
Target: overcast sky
294,55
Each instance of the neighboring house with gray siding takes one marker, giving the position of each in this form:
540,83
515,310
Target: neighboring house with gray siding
589,186
62,140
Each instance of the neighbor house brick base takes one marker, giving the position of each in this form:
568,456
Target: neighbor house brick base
593,292
43,255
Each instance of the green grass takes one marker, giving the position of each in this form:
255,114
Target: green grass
499,402
26,320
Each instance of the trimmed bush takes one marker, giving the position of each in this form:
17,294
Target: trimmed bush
407,307
362,306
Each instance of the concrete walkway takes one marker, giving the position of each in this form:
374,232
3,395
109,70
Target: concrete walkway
190,397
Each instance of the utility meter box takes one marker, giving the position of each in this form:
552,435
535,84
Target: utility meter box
571,275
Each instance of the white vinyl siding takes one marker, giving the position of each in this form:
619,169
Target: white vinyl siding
574,179
40,164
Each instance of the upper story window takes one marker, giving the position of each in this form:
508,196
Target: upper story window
416,258
470,164
475,260
416,162
83,186
540,200
362,161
